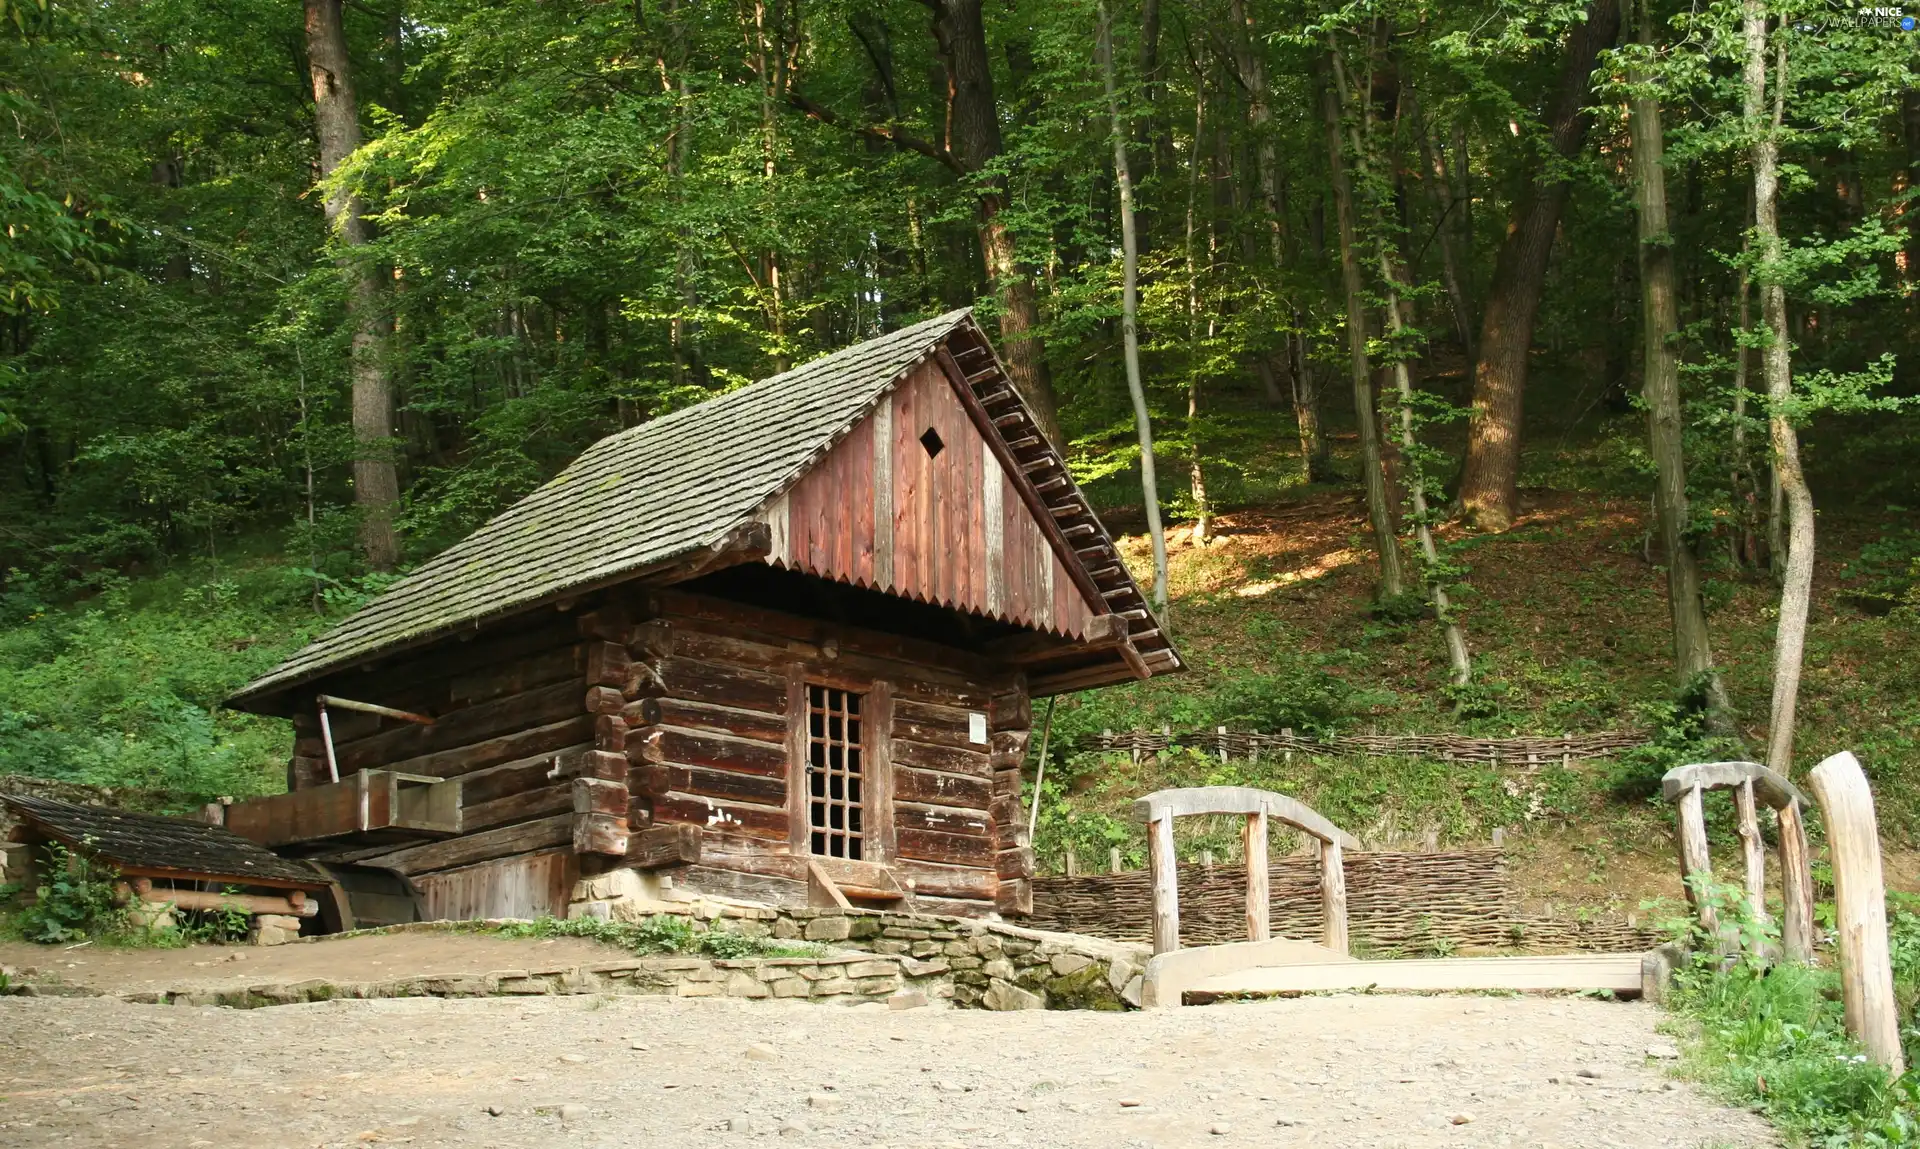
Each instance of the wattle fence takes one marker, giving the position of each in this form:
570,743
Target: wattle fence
1533,751
1398,903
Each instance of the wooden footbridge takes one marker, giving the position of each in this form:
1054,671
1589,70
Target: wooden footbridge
1264,965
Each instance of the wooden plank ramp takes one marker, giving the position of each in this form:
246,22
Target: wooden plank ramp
1618,973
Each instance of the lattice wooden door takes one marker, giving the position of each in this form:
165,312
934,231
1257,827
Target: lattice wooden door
836,759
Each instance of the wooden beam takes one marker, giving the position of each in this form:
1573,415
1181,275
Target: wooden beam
1752,850
1165,869
1694,859
1253,840
1333,898
822,892
1860,907
1796,885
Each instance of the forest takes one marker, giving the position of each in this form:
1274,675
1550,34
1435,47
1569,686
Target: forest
1491,296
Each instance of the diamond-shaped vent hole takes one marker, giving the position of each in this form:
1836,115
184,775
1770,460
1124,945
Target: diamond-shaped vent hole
932,442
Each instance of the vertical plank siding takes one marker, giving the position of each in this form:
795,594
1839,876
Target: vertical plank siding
949,528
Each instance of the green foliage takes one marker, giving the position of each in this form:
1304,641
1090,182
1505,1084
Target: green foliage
124,690
1677,734
74,901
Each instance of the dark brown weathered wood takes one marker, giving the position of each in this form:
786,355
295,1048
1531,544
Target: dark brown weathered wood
521,838
717,817
461,728
882,810
950,849
664,846
728,785
520,806
506,748
946,759
600,834
968,792
662,745
711,683
595,796
608,664
752,724
944,819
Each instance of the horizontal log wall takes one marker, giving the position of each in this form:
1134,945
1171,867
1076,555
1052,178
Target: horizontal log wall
1407,902
511,723
711,706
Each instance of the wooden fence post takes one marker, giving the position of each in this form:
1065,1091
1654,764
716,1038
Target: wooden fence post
1694,858
1254,839
1166,883
1753,851
1796,884
1113,860
1333,897
1860,906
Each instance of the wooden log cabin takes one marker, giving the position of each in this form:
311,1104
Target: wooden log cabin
792,633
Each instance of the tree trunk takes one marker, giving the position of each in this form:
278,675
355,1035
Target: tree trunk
1397,312
376,482
1796,589
974,122
1315,455
1129,319
1693,654
1196,473
1489,484
1372,472
1445,206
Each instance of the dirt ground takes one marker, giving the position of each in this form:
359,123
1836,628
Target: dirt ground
371,957
1352,1071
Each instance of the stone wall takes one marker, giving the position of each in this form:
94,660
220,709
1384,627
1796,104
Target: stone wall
972,962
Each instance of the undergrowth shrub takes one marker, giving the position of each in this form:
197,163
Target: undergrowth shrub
74,901
1773,1036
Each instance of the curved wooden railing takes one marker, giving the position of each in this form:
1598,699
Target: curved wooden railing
1160,808
1751,784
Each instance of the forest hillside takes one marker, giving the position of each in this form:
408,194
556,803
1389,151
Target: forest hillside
1512,369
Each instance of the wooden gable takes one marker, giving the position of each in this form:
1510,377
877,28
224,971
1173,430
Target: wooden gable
914,501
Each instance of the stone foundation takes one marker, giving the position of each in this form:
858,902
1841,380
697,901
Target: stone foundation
987,964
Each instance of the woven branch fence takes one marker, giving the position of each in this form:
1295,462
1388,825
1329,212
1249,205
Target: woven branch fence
1407,903
1226,744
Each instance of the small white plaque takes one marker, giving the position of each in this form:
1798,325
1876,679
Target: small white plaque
977,726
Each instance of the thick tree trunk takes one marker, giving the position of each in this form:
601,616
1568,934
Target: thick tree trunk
376,481
974,122
1660,321
1372,472
1129,319
1796,588
1489,484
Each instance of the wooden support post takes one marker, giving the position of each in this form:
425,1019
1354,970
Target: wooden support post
1166,883
1694,858
1753,851
1073,864
1113,860
1254,838
1796,884
1333,897
1860,906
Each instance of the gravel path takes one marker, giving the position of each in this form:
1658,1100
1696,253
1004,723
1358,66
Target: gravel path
1354,1071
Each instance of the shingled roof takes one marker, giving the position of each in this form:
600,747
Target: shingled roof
644,499
156,846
